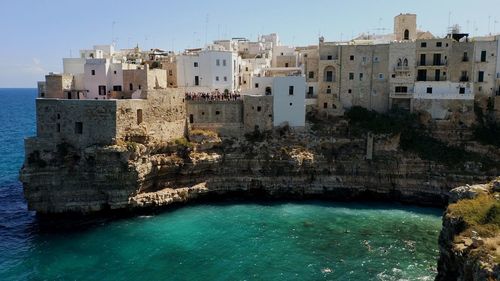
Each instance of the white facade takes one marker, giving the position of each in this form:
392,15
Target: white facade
208,69
289,101
289,104
444,90
101,77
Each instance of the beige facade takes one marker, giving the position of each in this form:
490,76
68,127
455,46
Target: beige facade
405,27
364,76
82,123
432,59
328,73
401,74
59,86
143,79
170,65
485,61
258,113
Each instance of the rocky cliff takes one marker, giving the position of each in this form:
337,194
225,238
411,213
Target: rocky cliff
469,241
139,172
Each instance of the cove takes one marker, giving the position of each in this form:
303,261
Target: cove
309,240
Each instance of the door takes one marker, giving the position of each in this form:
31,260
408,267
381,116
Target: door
437,75
196,80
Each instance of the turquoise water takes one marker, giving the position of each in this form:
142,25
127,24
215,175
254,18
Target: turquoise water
231,241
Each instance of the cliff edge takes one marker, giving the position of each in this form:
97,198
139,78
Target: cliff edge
469,241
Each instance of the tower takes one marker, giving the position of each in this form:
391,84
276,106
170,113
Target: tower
405,27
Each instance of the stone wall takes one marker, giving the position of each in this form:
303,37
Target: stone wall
80,123
224,117
258,113
443,109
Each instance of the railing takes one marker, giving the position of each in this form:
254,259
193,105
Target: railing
402,68
464,79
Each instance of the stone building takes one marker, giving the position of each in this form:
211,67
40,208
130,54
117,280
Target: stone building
364,76
328,73
401,74
160,115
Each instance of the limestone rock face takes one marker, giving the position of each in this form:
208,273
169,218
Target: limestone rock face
467,192
464,254
130,175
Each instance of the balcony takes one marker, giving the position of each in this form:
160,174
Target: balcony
464,79
465,59
401,68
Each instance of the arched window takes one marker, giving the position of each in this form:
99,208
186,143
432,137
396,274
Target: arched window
407,34
399,62
405,62
329,74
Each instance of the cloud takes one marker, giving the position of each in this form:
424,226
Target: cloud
35,67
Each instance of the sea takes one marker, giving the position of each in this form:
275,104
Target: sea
310,240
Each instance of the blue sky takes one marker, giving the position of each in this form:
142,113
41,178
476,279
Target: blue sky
36,34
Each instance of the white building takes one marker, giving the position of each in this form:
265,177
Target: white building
288,98
208,70
444,90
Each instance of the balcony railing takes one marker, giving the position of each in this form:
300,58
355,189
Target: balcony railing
464,79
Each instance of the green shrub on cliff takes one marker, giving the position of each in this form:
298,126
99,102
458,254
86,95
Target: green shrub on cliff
481,214
395,122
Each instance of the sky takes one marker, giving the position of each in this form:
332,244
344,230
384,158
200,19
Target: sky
36,34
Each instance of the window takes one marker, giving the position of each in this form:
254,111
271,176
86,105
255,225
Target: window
290,90
439,44
102,90
483,56
361,77
217,62
256,85
217,112
375,59
92,72
286,64
401,89
328,91
325,105
351,76
351,57
224,62
349,91
225,78
216,78
329,57
78,128
259,108
422,75
130,87
311,74
381,76
139,87
268,91
139,116
465,57
464,77
117,88
461,90
114,72
406,35
196,80
480,77
246,68
195,64
170,72
429,90
291,104
58,127
329,76
422,59
311,91
423,45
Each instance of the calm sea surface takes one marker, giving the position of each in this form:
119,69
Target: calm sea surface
239,241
